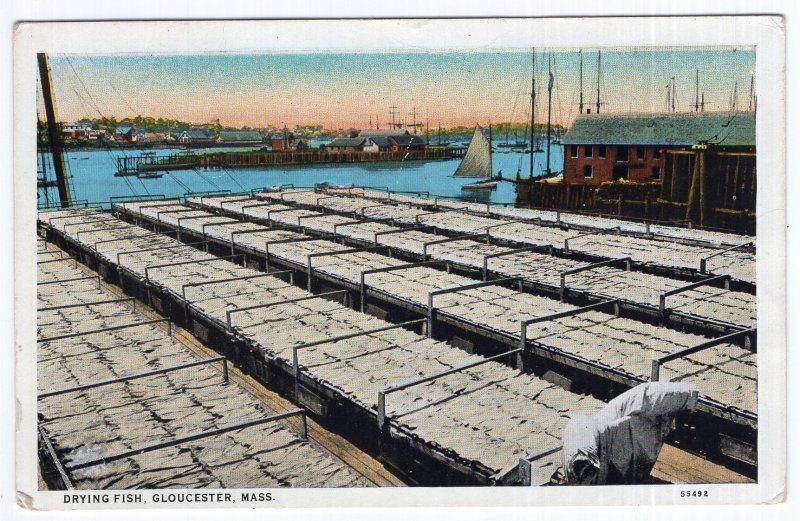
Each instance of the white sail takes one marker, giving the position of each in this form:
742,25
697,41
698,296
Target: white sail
477,161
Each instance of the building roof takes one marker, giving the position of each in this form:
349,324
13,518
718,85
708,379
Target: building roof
381,141
372,132
279,135
349,142
123,128
240,135
727,129
407,140
197,134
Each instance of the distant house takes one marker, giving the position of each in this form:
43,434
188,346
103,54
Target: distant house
143,135
608,147
282,141
197,137
97,133
124,132
351,144
406,142
380,138
240,137
77,130
394,140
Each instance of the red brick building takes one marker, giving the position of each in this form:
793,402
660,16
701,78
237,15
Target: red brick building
406,142
600,148
282,141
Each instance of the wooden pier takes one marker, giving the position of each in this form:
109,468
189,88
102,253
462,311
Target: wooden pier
182,280
305,157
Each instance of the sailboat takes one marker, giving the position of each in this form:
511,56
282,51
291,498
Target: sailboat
477,163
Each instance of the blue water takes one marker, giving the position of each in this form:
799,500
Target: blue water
92,176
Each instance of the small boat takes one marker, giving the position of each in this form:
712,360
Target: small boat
125,173
514,144
477,163
150,175
332,186
480,185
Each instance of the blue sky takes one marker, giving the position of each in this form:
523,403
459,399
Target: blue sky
344,90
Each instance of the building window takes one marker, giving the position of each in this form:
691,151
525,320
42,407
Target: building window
573,151
587,171
601,151
587,151
656,153
622,154
656,172
639,152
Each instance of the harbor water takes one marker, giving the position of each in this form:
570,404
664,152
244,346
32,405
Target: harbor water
92,176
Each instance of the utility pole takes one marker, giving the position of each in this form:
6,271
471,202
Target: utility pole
734,98
597,109
580,104
752,94
53,132
697,90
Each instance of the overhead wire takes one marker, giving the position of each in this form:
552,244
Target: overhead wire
175,118
94,105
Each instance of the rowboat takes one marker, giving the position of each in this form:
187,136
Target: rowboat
481,185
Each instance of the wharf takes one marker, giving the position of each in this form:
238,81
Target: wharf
494,312
123,403
601,241
579,221
540,267
413,439
348,374
245,159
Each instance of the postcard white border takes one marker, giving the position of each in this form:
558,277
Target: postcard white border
766,33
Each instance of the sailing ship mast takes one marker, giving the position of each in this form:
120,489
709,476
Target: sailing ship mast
580,104
597,109
699,97
673,94
533,105
549,107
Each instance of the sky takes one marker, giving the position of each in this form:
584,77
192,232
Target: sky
344,90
